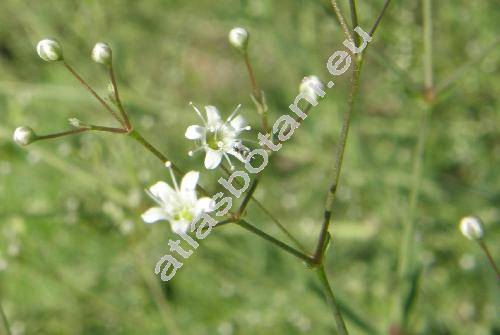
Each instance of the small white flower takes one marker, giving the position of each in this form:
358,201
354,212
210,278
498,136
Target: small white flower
178,205
238,37
49,50
218,138
24,136
311,86
472,227
102,53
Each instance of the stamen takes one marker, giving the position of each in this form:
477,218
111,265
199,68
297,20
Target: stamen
154,197
168,164
229,161
234,113
198,112
192,152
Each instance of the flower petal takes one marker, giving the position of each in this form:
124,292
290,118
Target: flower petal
212,159
162,191
195,132
238,122
205,204
154,214
180,226
213,116
189,181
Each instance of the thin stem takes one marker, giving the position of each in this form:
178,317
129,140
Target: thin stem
379,18
248,195
81,130
342,22
117,97
257,93
427,57
338,161
271,216
490,258
94,93
354,19
5,321
332,302
244,224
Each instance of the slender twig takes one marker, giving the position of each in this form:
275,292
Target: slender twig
271,216
332,302
354,19
342,22
94,93
5,321
117,97
490,258
257,93
338,161
81,130
427,58
248,195
244,224
379,18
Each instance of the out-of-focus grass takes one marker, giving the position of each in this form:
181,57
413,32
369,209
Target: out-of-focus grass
72,208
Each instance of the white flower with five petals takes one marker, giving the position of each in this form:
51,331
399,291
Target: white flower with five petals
178,205
218,138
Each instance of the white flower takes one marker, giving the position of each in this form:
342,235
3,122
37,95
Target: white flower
311,86
49,50
179,206
102,53
238,37
24,136
472,227
218,138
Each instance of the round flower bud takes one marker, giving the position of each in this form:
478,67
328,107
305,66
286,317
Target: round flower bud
472,227
238,37
312,88
49,50
24,136
102,53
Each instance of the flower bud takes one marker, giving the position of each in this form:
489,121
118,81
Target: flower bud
49,50
312,88
238,37
102,53
24,136
472,227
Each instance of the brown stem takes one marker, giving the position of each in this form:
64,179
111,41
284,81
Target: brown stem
94,93
117,96
490,258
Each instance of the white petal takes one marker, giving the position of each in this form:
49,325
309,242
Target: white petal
189,181
154,214
194,132
213,116
180,227
162,191
212,159
238,122
205,205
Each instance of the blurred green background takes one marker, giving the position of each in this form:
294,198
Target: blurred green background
75,257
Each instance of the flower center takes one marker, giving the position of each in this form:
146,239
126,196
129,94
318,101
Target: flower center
212,141
184,214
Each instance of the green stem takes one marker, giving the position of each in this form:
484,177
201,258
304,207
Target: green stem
5,321
257,93
354,19
338,161
379,18
251,228
332,302
342,21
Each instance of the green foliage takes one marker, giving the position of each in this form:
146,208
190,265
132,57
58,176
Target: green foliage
72,206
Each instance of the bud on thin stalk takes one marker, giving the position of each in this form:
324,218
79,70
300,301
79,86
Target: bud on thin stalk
238,37
24,136
472,228
49,50
102,53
